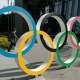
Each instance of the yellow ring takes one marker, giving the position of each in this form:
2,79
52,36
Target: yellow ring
21,62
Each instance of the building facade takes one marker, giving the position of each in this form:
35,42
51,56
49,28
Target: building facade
20,24
70,8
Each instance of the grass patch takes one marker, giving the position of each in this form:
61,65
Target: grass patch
4,43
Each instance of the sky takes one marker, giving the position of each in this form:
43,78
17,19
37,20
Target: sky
4,3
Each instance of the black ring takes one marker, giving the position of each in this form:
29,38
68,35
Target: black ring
41,37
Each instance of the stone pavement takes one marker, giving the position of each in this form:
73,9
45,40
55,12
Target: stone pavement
39,78
9,70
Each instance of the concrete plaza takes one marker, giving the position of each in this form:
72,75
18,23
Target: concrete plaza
9,70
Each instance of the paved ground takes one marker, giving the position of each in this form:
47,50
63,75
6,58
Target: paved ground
9,68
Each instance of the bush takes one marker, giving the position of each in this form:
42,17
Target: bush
4,43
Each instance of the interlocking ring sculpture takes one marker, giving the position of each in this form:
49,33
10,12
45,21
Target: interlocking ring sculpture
66,35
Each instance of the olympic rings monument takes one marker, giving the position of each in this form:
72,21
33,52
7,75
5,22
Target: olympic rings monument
40,49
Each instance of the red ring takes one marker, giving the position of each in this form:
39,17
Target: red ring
71,26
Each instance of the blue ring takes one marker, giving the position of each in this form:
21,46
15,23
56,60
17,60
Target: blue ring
15,8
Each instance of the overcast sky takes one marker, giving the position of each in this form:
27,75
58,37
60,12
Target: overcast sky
5,3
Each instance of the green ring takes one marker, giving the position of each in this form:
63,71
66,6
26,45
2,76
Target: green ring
58,54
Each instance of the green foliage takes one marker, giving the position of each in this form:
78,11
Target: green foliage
4,43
